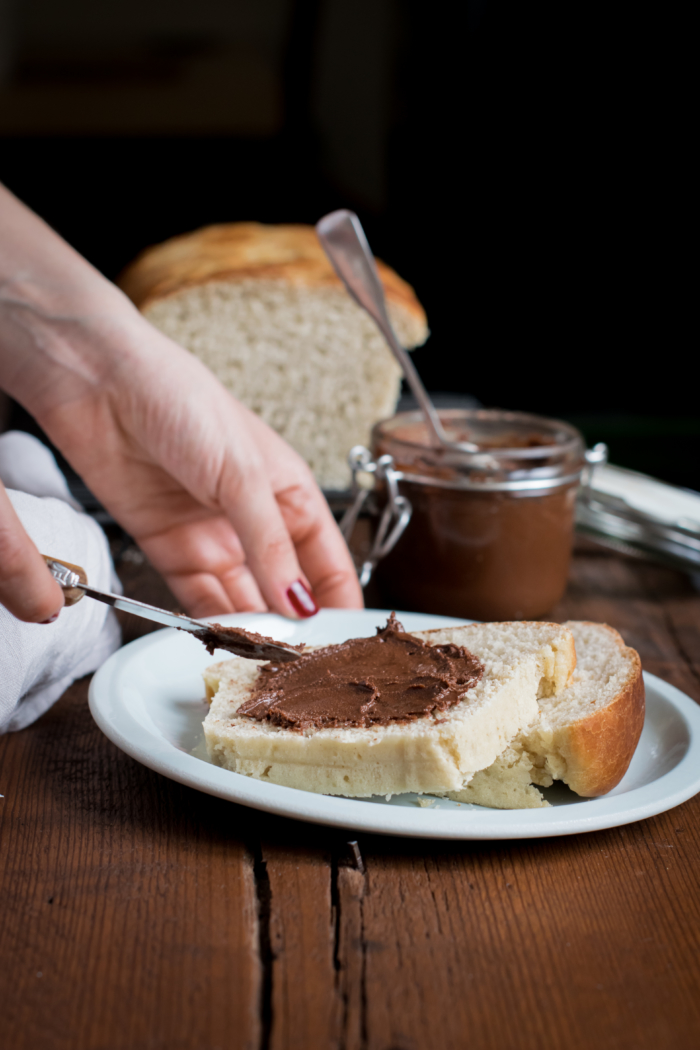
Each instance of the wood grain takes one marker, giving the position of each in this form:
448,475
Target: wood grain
572,942
303,1003
129,907
140,914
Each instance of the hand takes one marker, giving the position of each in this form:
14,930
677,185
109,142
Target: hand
228,513
222,506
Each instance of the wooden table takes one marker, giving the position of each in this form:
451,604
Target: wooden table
137,913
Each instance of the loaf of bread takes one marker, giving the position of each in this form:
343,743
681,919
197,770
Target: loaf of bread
522,661
584,735
262,307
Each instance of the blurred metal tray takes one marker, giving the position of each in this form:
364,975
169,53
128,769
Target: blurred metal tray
639,515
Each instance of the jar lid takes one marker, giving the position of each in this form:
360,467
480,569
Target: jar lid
639,515
517,451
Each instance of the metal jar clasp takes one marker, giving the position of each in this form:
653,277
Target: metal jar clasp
595,457
394,517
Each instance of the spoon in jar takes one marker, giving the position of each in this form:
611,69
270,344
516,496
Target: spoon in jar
344,242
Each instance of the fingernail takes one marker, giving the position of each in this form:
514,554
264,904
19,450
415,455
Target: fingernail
301,599
51,619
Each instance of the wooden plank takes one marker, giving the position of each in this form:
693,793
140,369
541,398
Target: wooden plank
352,945
577,942
678,596
642,602
304,1002
163,918
683,617
129,901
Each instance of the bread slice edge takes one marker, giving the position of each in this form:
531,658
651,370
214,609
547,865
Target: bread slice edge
590,754
597,749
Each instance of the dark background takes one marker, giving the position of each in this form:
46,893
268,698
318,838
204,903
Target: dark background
524,169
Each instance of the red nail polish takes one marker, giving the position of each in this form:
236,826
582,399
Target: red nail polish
51,619
301,599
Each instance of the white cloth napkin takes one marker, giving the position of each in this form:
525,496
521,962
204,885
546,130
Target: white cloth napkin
39,661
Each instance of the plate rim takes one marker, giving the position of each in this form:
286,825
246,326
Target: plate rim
484,824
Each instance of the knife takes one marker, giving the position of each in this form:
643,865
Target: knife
73,580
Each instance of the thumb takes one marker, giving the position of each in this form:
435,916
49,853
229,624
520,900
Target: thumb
27,588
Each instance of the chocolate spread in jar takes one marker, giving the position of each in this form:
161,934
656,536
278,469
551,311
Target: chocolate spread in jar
477,551
364,682
486,555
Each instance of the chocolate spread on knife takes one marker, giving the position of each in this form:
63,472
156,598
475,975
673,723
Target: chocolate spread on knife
254,645
364,682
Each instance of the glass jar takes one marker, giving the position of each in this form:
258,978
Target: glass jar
491,532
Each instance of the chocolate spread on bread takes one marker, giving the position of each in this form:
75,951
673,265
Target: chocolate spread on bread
364,682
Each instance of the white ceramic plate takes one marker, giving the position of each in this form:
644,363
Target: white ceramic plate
148,699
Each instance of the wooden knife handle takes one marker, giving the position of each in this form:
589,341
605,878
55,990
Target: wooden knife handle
71,595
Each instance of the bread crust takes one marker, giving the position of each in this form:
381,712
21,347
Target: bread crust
241,251
598,749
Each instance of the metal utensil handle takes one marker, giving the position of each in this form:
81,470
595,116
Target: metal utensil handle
69,577
346,245
394,518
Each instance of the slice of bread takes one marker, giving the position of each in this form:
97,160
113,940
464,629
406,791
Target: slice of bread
262,307
522,661
584,735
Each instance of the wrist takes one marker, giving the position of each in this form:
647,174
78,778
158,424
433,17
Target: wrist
62,344
64,328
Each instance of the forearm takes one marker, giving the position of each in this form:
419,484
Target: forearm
64,329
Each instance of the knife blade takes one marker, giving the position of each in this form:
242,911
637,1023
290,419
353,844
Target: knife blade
213,635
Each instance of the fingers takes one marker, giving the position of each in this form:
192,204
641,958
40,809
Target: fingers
203,596
27,588
321,549
252,508
204,565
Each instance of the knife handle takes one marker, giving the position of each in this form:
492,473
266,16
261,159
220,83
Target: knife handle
71,595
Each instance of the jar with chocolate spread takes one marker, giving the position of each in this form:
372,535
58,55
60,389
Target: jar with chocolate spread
491,531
